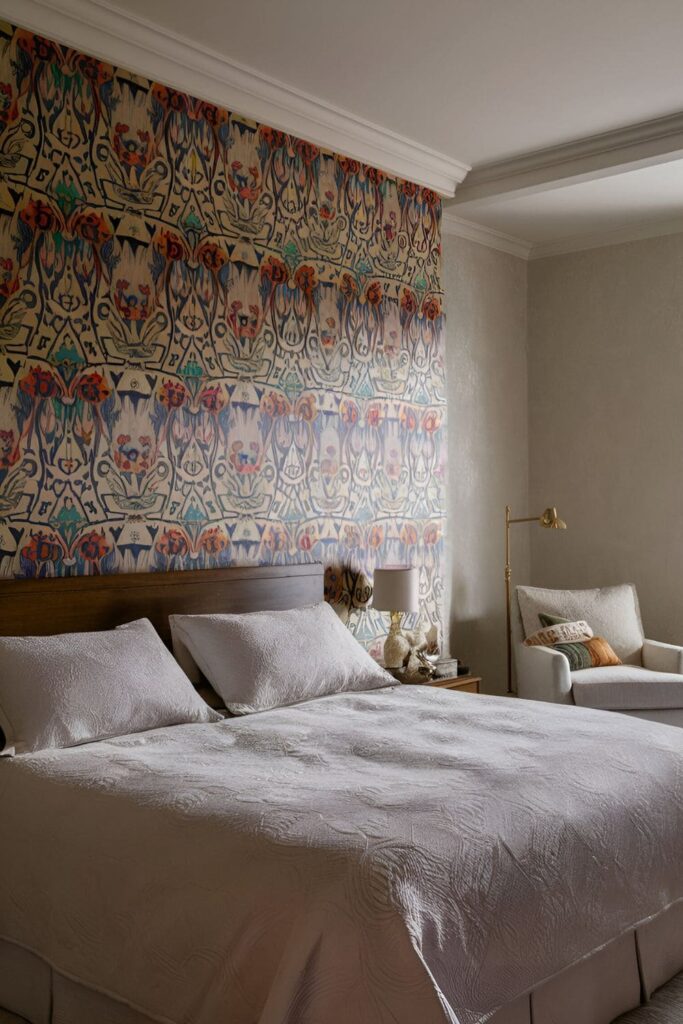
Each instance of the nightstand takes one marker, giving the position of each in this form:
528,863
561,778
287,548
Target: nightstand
468,684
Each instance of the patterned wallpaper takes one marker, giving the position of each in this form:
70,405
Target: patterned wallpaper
218,343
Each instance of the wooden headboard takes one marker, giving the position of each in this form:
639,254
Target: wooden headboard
83,603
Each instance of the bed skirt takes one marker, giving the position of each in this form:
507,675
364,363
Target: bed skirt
596,990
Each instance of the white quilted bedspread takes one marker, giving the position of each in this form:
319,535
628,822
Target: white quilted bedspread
407,856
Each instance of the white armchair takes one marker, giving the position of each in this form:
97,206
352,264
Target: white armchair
649,683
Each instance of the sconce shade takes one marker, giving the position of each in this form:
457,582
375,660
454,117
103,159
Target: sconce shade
396,589
552,521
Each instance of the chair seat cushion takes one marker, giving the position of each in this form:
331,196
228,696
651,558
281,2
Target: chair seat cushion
626,688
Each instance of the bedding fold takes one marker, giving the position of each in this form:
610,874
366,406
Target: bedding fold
398,856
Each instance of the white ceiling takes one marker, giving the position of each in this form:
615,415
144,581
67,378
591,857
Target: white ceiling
425,89
478,80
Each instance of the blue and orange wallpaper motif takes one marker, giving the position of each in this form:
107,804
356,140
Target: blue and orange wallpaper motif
218,343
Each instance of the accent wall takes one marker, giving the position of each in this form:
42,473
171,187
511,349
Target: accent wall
218,344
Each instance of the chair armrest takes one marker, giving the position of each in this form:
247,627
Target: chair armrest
543,674
660,657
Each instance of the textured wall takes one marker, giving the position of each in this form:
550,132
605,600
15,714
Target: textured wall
606,368
488,445
217,343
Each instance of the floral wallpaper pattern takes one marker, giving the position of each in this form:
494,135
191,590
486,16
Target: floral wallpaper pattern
218,344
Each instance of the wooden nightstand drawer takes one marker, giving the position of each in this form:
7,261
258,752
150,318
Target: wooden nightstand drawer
468,684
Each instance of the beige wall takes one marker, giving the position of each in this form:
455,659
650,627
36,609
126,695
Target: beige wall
606,421
488,444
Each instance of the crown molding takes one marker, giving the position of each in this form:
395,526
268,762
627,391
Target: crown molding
452,225
601,239
502,242
595,156
129,41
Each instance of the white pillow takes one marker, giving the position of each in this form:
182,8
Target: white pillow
60,691
265,660
561,633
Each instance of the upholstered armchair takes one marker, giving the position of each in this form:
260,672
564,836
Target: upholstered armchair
649,683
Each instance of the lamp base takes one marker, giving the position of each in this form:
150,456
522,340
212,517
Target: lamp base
396,646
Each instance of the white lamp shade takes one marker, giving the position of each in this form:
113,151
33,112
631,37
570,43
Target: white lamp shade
396,589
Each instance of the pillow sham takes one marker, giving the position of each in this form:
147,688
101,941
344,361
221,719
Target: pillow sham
559,632
61,691
263,660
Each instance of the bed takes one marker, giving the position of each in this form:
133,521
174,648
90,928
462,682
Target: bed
403,855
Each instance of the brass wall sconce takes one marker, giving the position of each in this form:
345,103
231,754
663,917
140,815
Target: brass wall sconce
548,519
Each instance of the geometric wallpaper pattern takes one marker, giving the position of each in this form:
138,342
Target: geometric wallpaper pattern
218,343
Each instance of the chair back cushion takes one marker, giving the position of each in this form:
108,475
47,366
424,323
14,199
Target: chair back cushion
611,612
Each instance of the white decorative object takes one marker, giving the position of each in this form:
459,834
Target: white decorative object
433,641
396,590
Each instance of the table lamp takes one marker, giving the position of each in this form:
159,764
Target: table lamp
396,590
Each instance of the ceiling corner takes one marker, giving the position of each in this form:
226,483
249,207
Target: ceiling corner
499,240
